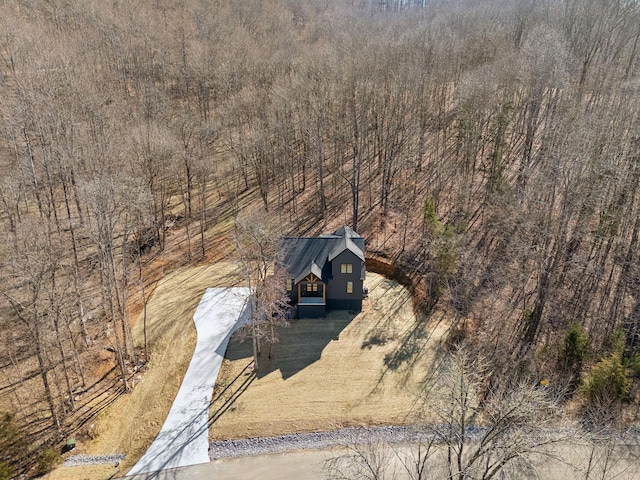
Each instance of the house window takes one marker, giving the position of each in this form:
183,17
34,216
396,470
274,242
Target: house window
289,284
312,287
349,287
346,268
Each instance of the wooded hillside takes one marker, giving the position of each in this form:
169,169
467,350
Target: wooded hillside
491,148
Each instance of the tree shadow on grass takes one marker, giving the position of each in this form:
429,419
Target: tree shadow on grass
379,334
412,343
231,392
376,339
411,348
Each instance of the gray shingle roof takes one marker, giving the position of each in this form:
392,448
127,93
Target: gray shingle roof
305,255
346,243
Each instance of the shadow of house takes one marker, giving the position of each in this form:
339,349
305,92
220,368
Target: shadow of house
300,345
325,279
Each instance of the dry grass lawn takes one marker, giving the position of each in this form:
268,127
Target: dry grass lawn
344,370
131,423
340,371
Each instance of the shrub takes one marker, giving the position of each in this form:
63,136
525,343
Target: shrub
608,380
430,217
573,350
13,445
8,430
633,362
48,459
5,471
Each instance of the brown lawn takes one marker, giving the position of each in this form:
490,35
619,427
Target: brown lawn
344,370
131,423
324,373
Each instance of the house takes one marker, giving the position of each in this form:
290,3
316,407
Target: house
324,273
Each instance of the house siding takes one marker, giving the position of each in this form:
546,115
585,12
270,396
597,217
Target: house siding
337,296
351,305
293,295
310,311
312,258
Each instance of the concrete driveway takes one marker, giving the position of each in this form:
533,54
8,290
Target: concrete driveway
184,437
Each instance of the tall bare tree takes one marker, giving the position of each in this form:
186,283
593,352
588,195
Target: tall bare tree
256,241
489,433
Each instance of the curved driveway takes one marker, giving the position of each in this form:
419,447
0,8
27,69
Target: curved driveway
184,439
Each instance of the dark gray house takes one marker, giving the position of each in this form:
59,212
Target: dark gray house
324,273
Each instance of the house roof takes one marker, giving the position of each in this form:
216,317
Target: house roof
305,255
312,268
346,243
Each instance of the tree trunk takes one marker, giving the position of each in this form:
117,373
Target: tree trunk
254,342
41,363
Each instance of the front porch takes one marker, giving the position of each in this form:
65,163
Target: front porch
311,307
312,299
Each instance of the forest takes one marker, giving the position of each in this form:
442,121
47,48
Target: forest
490,148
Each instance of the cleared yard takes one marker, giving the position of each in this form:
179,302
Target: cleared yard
344,370
183,439
323,374
132,421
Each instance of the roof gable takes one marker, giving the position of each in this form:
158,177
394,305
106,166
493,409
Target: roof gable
312,268
345,231
343,244
305,255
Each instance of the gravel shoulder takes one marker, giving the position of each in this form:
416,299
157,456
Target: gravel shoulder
307,441
390,435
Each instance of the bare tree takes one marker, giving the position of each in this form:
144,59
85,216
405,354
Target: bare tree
113,201
31,272
488,434
363,459
464,431
603,449
256,242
